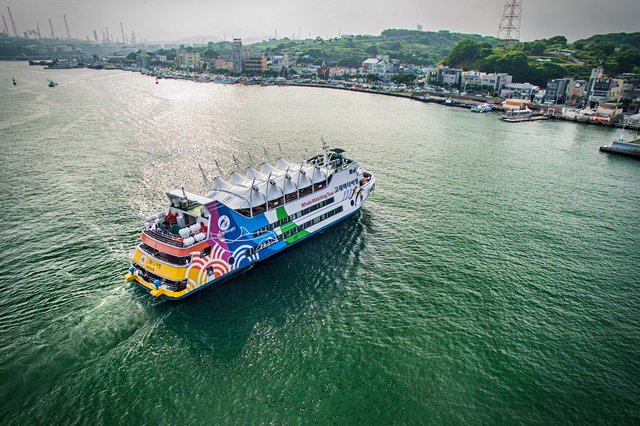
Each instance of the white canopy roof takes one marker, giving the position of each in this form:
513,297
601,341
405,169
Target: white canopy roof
268,183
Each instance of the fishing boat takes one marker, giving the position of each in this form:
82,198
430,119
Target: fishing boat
620,146
52,83
14,81
204,239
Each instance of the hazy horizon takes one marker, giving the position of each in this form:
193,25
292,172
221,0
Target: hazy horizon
166,21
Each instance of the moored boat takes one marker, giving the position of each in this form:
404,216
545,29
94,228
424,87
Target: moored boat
482,108
620,146
517,115
203,239
62,65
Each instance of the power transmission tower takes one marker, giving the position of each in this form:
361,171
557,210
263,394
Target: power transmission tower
13,24
509,28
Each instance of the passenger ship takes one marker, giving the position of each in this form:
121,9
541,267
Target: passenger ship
203,239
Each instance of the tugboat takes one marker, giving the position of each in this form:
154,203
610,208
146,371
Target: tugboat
204,239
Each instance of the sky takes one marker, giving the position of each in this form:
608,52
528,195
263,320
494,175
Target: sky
213,20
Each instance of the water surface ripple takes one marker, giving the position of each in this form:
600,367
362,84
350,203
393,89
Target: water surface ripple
491,279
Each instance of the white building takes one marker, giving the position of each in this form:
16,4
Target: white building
518,90
496,81
381,66
236,56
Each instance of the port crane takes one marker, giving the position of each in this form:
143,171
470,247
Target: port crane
67,27
13,24
6,29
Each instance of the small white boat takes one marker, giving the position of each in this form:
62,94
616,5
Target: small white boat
482,108
516,115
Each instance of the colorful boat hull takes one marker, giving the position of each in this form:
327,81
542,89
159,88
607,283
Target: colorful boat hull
164,266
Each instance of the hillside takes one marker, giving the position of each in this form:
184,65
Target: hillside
535,62
409,46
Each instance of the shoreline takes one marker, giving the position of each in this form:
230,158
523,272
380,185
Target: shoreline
463,101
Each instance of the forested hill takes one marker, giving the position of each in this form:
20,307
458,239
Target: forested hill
537,61
409,46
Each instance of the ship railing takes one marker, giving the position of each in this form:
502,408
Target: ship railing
164,236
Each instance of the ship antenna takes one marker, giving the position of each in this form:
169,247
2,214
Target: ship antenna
219,170
237,165
300,173
283,156
253,188
267,154
324,148
251,159
206,181
266,196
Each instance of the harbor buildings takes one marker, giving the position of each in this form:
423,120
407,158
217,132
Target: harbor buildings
381,66
185,59
236,56
142,60
243,59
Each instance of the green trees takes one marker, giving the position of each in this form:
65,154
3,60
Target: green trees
618,58
351,62
538,47
404,78
210,53
468,53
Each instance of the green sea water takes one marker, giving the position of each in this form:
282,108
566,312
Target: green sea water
492,278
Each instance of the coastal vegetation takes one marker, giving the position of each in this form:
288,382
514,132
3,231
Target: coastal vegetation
540,60
535,61
421,48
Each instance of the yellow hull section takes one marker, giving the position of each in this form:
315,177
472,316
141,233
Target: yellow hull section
154,291
159,268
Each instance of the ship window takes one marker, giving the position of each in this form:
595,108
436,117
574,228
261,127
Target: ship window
189,220
165,257
244,212
205,252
